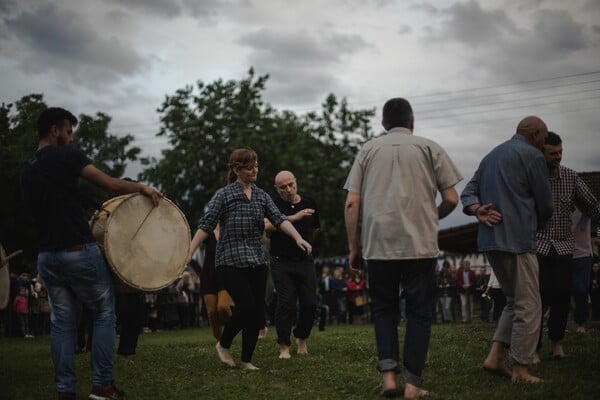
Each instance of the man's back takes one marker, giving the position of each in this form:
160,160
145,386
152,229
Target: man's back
514,178
398,176
50,191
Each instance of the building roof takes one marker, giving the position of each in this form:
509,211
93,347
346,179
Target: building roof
463,239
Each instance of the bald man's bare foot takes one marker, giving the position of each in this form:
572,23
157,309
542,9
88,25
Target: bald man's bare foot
302,349
556,351
495,365
224,355
248,366
284,352
413,392
520,374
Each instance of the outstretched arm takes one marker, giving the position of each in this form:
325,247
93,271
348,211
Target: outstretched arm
199,237
118,186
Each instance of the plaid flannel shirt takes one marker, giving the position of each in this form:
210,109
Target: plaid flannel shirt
242,224
568,190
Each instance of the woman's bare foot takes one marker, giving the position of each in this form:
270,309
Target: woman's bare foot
536,359
520,374
302,349
413,392
224,355
284,352
248,366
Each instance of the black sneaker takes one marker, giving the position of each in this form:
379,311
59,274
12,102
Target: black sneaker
106,393
67,396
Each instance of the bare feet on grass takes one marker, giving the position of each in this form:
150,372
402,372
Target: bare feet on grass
494,362
248,366
224,355
536,359
520,374
302,349
497,368
414,392
556,351
284,352
388,386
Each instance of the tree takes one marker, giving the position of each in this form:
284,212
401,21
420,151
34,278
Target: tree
18,143
205,123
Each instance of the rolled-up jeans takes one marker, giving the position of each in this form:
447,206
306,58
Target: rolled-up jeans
72,276
418,281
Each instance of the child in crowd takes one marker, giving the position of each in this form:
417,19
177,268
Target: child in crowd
21,308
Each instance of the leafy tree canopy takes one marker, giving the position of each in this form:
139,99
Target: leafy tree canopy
18,143
205,122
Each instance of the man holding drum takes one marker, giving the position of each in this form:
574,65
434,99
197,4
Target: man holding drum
70,262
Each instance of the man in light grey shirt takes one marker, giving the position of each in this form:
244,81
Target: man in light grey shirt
393,184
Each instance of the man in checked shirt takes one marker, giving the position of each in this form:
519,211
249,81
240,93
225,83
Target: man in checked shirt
555,242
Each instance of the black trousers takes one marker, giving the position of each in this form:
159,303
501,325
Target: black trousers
246,286
130,309
294,279
555,290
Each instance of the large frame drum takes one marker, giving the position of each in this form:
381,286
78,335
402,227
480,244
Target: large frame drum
145,246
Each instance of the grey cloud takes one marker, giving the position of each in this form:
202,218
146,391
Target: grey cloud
205,8
164,8
543,43
301,65
426,7
468,23
7,6
299,86
559,30
58,40
300,47
404,29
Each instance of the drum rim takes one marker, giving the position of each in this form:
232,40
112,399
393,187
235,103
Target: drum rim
110,260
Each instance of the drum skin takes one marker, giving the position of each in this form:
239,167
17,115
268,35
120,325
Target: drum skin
145,246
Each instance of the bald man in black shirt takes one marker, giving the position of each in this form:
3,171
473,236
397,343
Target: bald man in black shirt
293,271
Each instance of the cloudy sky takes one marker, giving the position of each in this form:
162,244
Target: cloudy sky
471,69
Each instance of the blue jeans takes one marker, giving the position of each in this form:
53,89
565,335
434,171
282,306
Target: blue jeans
72,276
418,280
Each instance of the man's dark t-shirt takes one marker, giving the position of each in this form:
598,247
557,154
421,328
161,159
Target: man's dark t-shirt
49,189
284,246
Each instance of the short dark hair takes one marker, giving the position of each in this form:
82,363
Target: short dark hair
52,116
553,139
397,112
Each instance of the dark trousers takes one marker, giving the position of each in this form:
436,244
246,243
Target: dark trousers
131,313
555,290
418,280
582,269
23,323
499,301
294,279
246,286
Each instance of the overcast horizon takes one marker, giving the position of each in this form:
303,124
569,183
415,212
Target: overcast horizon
471,69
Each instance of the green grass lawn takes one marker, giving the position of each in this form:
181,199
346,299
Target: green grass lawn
182,364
